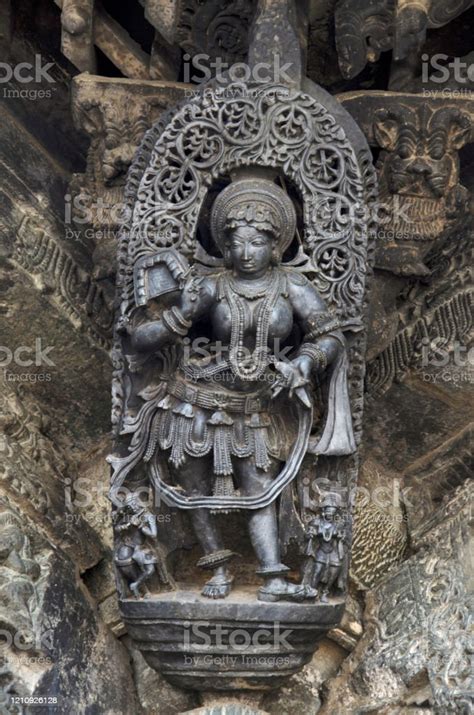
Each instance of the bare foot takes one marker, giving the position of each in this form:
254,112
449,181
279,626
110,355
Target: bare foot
218,586
277,589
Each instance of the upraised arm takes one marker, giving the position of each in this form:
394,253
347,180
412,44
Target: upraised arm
195,301
149,527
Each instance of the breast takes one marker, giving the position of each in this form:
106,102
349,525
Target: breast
281,320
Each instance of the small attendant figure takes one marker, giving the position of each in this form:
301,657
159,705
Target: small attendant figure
325,549
135,560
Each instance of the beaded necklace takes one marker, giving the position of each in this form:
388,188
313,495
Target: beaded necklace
253,290
244,366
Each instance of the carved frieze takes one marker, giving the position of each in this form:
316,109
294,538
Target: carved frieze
439,312
417,644
43,607
434,477
115,114
81,299
380,536
364,30
34,474
418,169
423,612
19,600
423,223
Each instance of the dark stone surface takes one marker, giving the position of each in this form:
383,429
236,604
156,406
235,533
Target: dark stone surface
201,644
55,565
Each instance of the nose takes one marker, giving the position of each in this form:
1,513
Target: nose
246,251
116,162
421,167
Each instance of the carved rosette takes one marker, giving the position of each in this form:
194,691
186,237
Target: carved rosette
215,29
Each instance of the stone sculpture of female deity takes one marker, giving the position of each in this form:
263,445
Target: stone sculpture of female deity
227,425
234,388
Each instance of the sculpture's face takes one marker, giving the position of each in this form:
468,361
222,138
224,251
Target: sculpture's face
250,251
133,506
329,513
422,144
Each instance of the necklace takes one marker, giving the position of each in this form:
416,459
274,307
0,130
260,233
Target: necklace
254,289
244,365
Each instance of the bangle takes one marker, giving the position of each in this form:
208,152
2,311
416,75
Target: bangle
321,324
215,559
317,355
175,322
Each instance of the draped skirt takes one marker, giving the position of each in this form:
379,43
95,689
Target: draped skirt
200,420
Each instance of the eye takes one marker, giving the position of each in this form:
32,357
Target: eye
404,152
437,145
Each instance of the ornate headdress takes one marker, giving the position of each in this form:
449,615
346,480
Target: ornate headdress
256,202
331,499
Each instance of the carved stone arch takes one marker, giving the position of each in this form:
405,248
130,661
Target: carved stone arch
280,128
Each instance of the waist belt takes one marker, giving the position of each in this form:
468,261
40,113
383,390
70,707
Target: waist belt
210,399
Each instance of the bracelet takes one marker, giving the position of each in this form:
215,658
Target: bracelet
317,355
321,324
217,558
175,322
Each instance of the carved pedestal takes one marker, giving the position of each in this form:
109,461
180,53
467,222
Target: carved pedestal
238,643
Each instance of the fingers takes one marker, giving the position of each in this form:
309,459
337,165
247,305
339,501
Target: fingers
303,396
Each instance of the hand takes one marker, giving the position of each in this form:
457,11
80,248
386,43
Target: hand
123,325
294,377
190,294
304,365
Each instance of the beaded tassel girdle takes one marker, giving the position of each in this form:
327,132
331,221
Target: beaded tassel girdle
244,366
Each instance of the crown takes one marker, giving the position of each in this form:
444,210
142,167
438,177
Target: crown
255,202
255,214
331,499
